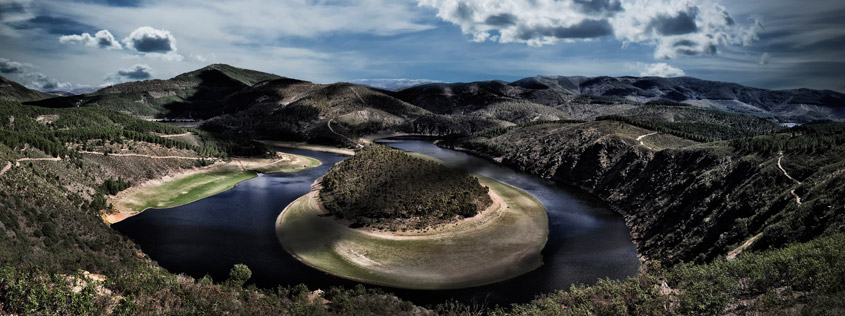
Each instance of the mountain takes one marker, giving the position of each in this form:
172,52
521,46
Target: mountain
686,201
392,84
13,91
196,94
586,97
288,109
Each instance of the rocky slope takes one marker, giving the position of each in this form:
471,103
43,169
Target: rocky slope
585,97
684,202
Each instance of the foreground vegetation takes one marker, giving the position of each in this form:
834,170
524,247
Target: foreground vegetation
385,187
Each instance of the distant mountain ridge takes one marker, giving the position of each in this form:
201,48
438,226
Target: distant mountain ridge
613,93
220,89
393,84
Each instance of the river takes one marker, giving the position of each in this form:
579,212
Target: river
587,241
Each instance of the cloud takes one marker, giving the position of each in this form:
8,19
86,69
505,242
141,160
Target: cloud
764,59
657,69
12,67
137,72
675,28
43,82
146,39
26,74
102,39
134,73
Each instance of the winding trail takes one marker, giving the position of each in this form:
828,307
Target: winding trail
176,135
797,198
18,161
143,155
640,138
6,168
733,253
332,129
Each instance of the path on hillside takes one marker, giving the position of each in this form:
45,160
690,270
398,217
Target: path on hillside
332,129
18,161
176,135
797,198
6,168
640,138
143,155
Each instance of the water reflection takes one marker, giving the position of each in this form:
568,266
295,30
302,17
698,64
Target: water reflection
586,240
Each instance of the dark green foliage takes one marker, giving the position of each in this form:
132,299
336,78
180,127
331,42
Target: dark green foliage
600,99
810,138
98,202
496,131
380,184
79,125
239,274
700,132
442,125
111,186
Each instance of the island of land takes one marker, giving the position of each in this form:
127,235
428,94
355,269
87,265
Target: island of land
499,242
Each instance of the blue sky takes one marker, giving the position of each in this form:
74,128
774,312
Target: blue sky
60,44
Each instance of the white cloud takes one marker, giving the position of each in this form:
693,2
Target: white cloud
26,75
764,59
102,39
146,39
657,70
675,28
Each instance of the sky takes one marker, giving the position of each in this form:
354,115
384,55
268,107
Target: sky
774,44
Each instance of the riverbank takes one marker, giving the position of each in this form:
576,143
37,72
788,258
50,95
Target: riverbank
468,253
198,183
307,146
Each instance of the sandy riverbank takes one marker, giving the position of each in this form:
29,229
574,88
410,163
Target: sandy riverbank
502,242
198,183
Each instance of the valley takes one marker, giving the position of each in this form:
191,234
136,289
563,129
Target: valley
713,193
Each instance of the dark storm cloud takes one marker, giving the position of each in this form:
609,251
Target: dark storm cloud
11,67
149,40
600,6
504,19
137,72
683,23
585,29
53,24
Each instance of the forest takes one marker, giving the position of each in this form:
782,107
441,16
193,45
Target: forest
52,130
385,187
700,132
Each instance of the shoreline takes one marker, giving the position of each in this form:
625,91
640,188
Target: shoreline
471,252
237,170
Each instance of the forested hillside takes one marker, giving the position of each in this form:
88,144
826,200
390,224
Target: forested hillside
687,202
387,188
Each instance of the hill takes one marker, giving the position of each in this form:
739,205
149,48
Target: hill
685,201
197,94
388,188
588,97
12,91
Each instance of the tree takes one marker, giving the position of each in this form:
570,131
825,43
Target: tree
239,274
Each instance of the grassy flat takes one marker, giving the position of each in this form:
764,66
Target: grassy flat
502,242
201,183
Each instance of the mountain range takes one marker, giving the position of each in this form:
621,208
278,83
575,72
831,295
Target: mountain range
222,89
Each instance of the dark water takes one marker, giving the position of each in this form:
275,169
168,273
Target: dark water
586,242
